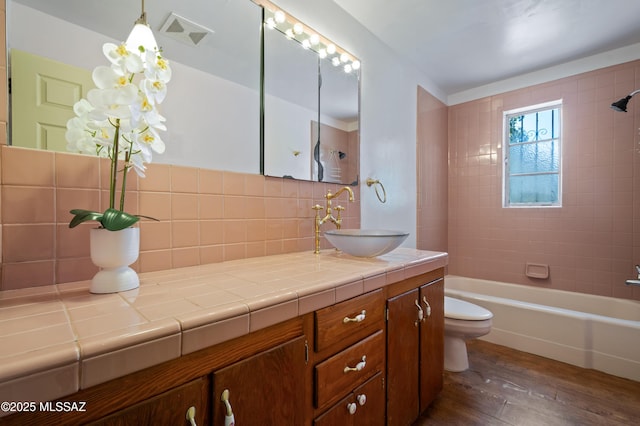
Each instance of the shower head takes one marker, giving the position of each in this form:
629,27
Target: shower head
621,105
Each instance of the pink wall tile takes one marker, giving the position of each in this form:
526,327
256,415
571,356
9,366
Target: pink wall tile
156,204
27,274
72,198
235,207
233,183
204,216
184,257
184,206
39,173
155,235
28,204
184,179
156,260
588,243
24,243
157,178
211,254
210,181
184,233
210,206
77,171
432,172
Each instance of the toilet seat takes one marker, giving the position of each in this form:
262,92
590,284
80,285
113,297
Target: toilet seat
462,310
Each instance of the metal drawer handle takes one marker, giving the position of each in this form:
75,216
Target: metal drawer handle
229,419
359,366
358,318
428,309
420,312
191,416
352,407
362,399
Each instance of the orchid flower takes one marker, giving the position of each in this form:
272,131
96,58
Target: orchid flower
119,119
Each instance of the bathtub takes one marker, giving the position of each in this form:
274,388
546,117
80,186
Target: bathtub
589,331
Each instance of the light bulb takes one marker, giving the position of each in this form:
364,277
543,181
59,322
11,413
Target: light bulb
289,33
280,16
141,35
356,65
306,43
347,68
271,23
322,53
314,39
335,61
298,28
344,57
331,49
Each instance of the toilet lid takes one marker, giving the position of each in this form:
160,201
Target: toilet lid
463,310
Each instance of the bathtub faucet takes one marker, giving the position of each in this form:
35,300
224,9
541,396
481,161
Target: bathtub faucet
635,282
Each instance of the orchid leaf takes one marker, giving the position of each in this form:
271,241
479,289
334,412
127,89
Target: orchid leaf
115,220
111,219
81,216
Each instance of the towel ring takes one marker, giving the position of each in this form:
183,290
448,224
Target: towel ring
376,183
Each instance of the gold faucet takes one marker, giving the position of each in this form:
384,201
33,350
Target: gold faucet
337,220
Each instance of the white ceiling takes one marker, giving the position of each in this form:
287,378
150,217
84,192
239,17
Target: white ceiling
464,44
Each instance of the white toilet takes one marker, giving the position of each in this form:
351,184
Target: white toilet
462,321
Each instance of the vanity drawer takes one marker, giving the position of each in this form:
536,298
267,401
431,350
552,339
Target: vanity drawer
341,373
347,322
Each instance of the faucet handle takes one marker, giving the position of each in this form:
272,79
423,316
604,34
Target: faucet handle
317,207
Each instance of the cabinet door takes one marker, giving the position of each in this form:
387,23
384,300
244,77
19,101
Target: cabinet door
168,408
431,342
265,389
403,374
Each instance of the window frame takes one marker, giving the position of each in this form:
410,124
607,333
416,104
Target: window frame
506,116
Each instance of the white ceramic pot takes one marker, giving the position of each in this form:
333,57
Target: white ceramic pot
113,252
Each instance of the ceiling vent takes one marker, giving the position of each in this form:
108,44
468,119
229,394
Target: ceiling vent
184,30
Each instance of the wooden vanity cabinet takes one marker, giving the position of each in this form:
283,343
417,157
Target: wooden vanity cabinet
265,389
415,350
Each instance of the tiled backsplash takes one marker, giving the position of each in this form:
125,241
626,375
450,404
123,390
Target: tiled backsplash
204,216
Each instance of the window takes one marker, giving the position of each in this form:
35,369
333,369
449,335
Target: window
532,156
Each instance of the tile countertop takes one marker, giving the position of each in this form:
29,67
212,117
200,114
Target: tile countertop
59,339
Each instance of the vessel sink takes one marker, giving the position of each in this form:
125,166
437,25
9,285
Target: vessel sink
365,242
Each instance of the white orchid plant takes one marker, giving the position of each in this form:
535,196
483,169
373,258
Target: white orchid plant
119,119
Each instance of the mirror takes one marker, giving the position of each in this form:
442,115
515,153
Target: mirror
213,106
339,125
290,107
311,104
214,95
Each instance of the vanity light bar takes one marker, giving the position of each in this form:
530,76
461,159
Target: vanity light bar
276,18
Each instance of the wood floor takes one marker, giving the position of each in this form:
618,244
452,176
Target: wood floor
508,387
